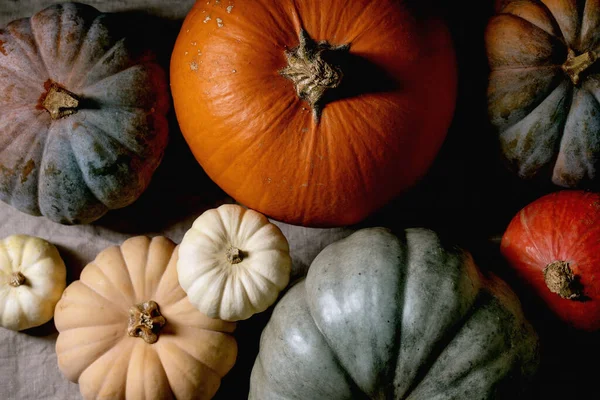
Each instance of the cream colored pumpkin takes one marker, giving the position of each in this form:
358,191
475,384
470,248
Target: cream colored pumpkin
233,262
127,330
32,279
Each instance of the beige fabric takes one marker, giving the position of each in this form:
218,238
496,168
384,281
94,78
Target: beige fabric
178,194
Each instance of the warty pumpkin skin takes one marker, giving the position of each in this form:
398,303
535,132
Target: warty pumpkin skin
83,115
127,329
552,245
544,88
314,113
381,316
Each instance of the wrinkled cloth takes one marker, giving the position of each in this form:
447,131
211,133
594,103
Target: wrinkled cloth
178,193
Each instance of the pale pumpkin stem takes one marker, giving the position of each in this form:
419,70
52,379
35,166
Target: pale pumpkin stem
60,102
234,255
311,74
576,65
145,321
17,279
561,280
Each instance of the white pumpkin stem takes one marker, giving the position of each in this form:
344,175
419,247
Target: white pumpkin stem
145,321
311,74
561,280
234,255
17,279
576,65
60,102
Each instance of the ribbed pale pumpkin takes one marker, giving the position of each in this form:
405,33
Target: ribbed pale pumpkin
313,112
381,316
127,330
233,263
32,279
544,88
82,115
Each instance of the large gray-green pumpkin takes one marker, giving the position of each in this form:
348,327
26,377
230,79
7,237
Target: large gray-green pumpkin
381,316
82,114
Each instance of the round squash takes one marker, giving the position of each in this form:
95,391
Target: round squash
313,113
32,279
553,245
127,330
381,316
233,263
544,88
83,123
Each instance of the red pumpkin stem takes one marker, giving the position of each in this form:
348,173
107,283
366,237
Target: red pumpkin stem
311,74
145,321
60,102
576,65
561,280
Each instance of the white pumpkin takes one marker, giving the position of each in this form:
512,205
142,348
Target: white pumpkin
32,279
233,263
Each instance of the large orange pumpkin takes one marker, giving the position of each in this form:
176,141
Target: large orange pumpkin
313,112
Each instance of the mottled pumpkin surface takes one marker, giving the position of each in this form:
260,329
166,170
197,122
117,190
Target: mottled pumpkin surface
74,168
381,316
547,113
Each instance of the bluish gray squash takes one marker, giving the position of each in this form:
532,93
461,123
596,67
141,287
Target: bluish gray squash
386,317
82,114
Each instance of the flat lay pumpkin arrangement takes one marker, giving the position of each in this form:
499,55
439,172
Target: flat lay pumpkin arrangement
317,115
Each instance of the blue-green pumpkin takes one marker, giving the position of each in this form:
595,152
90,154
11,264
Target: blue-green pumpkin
82,114
381,316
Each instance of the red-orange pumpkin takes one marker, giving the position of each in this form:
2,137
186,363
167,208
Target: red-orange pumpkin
314,113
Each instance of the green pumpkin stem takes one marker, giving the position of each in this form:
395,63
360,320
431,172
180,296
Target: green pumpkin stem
576,65
60,102
145,321
311,74
561,280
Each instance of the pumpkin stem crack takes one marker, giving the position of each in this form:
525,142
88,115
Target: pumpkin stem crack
576,65
561,280
311,72
145,321
17,279
60,102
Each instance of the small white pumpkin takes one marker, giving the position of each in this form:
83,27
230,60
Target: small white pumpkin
32,279
233,262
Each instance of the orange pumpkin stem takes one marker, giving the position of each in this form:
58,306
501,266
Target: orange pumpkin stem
145,321
60,102
17,279
561,280
576,65
311,74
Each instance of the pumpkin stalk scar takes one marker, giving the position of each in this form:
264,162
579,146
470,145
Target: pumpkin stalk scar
576,65
60,102
234,255
17,279
311,74
145,321
560,280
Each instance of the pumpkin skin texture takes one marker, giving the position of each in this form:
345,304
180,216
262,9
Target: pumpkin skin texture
233,263
371,134
544,88
184,357
32,279
83,124
557,229
386,317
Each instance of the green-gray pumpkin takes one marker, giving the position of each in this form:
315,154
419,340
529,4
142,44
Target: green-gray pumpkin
82,114
386,317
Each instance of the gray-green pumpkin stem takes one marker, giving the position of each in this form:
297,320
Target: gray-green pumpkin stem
561,280
576,65
60,102
311,74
